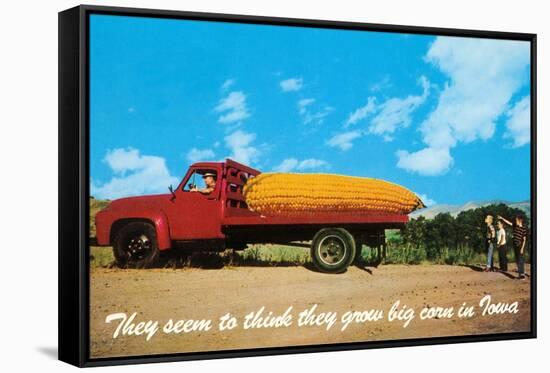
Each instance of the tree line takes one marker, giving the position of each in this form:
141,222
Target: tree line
449,239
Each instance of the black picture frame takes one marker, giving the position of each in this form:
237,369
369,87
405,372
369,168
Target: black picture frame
74,183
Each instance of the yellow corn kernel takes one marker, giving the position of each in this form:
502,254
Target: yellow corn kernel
298,194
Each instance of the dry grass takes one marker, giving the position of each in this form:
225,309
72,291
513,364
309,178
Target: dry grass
254,255
95,206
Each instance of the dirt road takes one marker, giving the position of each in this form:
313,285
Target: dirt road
163,294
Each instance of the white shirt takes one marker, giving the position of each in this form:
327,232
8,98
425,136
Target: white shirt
501,237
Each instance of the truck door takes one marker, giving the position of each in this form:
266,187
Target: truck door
195,215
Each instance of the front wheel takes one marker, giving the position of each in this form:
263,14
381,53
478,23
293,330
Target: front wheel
136,246
333,250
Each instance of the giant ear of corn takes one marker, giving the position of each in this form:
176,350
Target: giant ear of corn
294,194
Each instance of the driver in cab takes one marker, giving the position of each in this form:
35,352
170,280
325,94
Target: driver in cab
210,182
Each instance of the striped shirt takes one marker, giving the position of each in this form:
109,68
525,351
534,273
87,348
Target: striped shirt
520,233
490,232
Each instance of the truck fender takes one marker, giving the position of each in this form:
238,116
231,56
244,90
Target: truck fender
159,221
163,231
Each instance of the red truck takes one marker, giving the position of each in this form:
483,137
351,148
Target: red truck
139,228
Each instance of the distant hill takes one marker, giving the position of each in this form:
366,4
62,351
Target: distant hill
454,210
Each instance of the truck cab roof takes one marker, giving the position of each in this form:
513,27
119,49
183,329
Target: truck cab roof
228,163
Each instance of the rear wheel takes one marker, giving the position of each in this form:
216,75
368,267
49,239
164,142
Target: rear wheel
333,250
136,246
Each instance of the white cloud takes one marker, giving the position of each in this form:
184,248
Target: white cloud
240,145
390,115
428,202
196,155
362,112
287,165
293,84
428,161
518,124
396,112
233,108
344,140
311,116
317,117
135,174
483,76
291,164
227,84
311,163
384,83
303,103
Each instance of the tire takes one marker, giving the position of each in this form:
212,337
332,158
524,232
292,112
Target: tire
333,250
136,246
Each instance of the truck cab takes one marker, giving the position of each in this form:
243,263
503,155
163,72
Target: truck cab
182,217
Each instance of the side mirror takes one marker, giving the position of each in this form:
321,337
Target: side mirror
171,189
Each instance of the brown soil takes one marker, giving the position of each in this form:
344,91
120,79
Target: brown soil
163,294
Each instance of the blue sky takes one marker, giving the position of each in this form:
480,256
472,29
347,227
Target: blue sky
446,117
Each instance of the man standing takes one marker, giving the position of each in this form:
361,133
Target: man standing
502,247
519,241
490,236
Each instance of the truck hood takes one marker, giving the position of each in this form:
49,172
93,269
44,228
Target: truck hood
140,201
